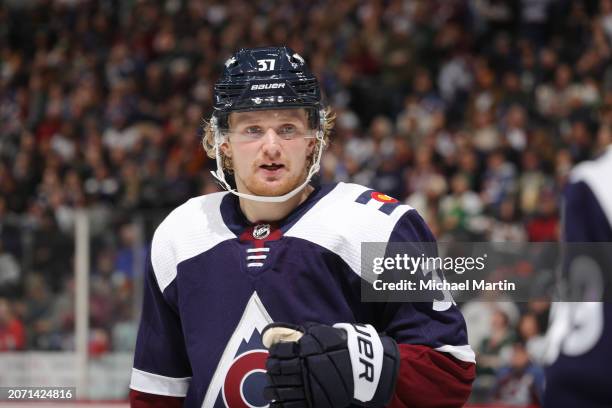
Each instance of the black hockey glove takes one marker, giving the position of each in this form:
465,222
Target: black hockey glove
320,366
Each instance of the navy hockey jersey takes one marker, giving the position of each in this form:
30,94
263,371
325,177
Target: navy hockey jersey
580,332
214,281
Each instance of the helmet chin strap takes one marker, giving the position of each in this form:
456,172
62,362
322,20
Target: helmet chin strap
220,175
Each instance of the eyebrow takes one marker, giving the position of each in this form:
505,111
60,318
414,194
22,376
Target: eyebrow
250,117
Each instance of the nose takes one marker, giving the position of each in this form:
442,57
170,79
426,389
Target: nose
271,136
271,143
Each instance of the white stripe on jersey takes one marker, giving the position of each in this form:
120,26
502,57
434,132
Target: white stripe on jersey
340,224
189,230
256,257
158,384
258,250
463,353
252,264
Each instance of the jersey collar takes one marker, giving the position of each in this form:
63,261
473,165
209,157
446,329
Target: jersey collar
237,222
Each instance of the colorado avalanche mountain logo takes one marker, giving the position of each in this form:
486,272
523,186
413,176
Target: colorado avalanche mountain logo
239,379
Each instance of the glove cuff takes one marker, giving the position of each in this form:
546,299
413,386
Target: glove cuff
389,373
375,364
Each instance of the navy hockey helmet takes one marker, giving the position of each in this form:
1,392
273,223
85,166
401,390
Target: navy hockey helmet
266,78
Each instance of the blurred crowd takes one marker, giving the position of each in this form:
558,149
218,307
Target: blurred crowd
471,111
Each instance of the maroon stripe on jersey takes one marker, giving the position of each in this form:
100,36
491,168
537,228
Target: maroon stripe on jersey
139,399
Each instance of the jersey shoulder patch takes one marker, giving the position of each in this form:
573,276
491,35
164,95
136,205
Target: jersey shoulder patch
190,229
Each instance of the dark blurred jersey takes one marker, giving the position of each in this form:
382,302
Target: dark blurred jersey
581,332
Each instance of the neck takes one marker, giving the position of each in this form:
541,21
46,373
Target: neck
256,211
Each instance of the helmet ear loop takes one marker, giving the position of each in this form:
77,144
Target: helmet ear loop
218,139
320,136
314,168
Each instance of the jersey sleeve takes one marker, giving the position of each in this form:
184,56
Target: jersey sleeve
437,364
161,365
584,220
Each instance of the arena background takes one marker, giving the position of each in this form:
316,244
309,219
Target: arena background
471,111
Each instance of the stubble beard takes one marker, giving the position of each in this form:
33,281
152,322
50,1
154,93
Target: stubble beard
257,186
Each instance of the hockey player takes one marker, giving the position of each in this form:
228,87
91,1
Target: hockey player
580,332
253,295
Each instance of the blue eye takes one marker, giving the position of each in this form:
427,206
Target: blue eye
287,131
253,131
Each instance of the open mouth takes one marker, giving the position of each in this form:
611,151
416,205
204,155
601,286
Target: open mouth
271,167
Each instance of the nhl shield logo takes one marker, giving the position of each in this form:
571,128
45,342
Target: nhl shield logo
261,231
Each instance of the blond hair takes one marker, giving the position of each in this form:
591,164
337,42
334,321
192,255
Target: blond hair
208,140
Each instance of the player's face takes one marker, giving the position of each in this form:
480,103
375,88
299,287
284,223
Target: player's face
269,150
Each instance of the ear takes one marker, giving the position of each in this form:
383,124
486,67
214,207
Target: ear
226,149
310,147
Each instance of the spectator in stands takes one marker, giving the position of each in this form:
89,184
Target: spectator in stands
499,181
520,382
507,225
12,333
544,226
458,210
10,272
502,336
532,337
37,313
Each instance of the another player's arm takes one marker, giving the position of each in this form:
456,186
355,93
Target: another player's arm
583,217
161,373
